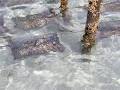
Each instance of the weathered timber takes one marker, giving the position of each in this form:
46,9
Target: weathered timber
64,7
39,45
92,23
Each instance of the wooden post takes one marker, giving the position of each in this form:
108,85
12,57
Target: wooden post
64,7
92,23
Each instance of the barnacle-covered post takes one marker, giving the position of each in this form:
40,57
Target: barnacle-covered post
91,25
64,7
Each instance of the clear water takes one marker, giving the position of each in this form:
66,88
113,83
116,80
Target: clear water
68,70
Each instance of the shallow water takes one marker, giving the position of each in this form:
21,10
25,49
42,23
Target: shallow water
68,70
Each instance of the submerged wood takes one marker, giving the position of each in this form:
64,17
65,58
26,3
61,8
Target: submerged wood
91,25
112,6
35,46
64,7
30,22
108,28
8,3
2,28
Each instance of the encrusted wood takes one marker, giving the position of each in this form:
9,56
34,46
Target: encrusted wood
91,25
64,7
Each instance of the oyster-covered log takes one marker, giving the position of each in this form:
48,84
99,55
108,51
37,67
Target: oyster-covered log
30,21
35,45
